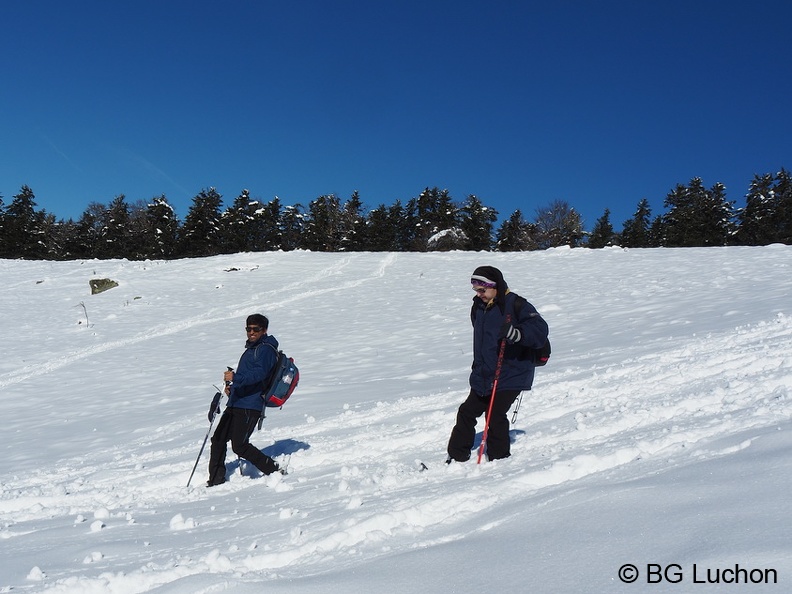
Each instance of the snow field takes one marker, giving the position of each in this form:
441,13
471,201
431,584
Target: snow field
665,411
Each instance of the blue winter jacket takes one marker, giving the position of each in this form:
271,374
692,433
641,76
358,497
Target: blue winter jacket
254,367
517,370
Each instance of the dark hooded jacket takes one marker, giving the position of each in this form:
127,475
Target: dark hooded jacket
255,365
517,370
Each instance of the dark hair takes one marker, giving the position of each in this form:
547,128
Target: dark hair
258,320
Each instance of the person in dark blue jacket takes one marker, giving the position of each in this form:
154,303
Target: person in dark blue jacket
245,403
524,329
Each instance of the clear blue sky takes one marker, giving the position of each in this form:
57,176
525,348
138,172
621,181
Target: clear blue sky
521,103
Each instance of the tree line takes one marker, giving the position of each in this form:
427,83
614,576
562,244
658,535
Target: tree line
695,216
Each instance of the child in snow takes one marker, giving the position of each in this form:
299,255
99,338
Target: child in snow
492,304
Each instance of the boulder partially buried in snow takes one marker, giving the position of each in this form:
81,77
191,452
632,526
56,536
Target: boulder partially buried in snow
100,285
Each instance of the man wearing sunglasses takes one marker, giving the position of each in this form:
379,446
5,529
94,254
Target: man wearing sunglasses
244,387
496,316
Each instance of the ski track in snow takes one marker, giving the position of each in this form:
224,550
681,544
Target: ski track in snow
354,490
266,300
395,501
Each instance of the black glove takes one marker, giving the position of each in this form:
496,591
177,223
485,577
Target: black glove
510,333
215,407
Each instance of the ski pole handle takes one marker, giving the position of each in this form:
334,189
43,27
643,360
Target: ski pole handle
228,377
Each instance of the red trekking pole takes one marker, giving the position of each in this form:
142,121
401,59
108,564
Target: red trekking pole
492,396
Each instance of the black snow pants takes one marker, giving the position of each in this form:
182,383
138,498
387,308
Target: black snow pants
464,432
236,425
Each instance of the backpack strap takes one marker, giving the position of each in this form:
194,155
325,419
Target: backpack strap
272,373
266,383
519,303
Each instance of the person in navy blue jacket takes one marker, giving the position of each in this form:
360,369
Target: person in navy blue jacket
245,403
525,329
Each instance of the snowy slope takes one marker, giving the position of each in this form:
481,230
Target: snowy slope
659,434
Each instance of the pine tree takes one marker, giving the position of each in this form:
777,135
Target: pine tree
52,236
602,235
271,234
139,234
201,234
243,230
516,235
292,226
62,235
160,229
114,234
657,236
84,241
783,216
353,225
722,228
23,235
767,216
380,236
405,224
756,219
323,230
697,217
387,230
676,226
477,224
636,232
433,212
4,247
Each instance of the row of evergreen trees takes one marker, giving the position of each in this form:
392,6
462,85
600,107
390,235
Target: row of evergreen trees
695,216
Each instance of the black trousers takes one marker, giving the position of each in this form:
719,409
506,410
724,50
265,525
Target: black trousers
236,425
464,432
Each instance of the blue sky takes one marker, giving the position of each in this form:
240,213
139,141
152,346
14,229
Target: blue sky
521,103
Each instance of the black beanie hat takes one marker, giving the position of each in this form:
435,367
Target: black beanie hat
495,275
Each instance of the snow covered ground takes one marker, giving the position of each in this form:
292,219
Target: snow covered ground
659,435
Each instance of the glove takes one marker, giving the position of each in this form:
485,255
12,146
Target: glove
510,333
214,408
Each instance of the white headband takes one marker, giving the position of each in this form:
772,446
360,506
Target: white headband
477,279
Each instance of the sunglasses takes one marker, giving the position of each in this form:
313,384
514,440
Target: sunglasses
480,290
253,329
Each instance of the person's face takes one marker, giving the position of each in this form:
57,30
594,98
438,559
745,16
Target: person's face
254,331
487,294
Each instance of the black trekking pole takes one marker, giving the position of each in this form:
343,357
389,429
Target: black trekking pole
215,408
516,408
